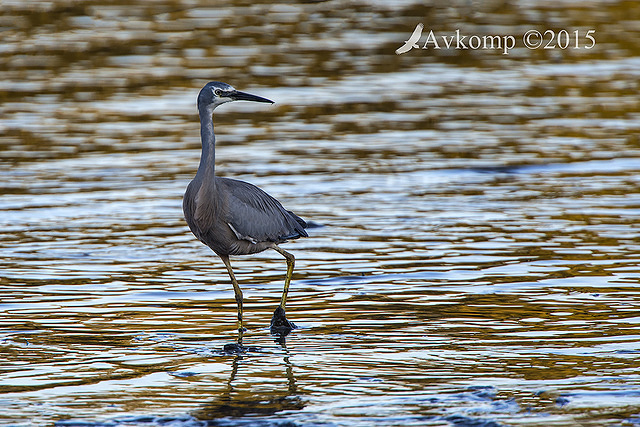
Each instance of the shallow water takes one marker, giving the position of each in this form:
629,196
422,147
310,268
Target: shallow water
477,260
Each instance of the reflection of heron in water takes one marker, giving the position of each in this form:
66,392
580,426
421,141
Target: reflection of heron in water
236,403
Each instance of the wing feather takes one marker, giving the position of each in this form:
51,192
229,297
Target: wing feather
256,216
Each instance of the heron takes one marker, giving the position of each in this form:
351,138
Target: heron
235,217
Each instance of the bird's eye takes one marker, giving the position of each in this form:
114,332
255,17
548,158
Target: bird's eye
218,92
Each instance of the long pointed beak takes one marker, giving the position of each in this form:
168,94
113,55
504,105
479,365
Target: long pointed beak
243,96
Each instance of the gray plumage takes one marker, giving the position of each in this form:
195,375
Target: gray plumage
235,217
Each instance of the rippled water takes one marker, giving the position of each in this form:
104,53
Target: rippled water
478,259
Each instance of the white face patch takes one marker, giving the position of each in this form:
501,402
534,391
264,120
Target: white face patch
220,95
220,92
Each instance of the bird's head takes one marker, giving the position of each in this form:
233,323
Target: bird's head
217,93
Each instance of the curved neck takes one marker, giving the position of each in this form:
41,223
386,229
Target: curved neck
208,156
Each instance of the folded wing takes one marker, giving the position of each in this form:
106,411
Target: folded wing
255,216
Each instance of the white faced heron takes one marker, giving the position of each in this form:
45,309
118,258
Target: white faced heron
234,217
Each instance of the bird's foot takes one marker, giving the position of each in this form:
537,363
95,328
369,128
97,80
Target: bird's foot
236,348
279,323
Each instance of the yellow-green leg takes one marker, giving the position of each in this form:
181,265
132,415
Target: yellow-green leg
287,280
279,323
236,290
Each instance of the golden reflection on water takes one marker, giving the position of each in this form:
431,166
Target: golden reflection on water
478,255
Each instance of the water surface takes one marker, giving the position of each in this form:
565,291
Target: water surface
477,260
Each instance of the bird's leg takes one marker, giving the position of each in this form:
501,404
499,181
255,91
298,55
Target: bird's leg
287,280
236,290
279,323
